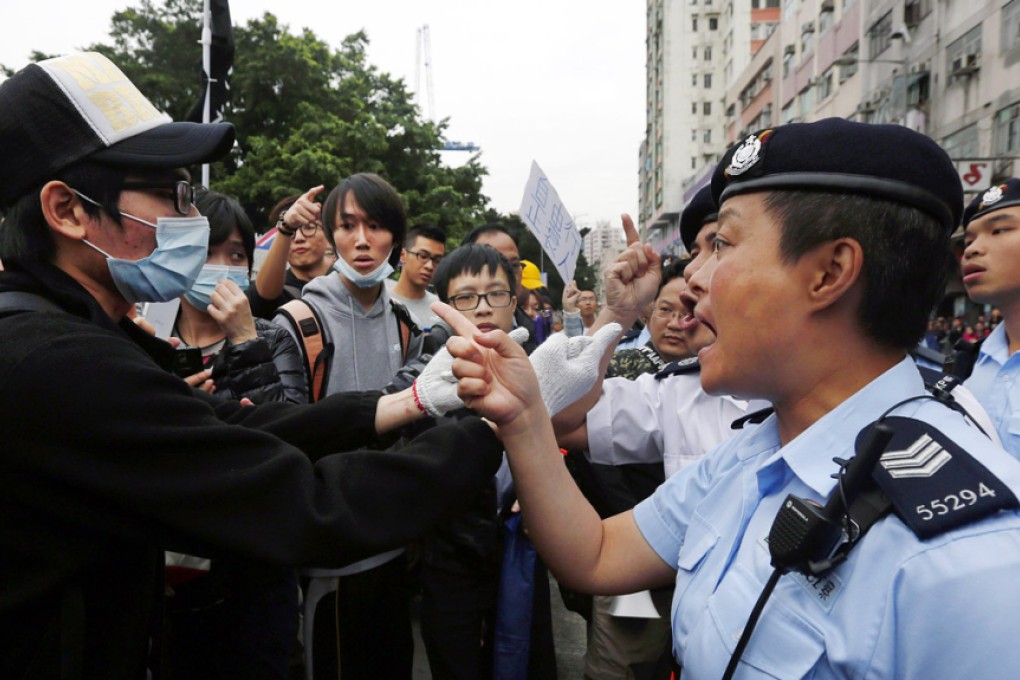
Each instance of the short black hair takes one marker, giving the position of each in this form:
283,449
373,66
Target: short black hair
674,270
490,228
25,236
907,257
429,231
471,259
224,213
377,198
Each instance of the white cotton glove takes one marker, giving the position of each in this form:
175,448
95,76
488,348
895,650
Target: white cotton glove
568,367
435,389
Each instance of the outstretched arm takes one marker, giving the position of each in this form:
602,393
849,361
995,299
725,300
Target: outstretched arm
631,282
497,380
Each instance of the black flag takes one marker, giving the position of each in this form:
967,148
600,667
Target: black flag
221,61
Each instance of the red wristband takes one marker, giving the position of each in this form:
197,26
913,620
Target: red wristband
417,401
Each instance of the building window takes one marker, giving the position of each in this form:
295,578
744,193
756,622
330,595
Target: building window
694,80
713,24
694,24
963,55
962,143
788,60
1007,129
851,57
706,108
694,134
880,35
694,108
825,85
915,10
1011,25
787,112
708,80
825,20
694,162
694,53
708,51
707,136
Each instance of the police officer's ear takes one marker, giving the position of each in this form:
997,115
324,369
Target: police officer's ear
64,211
833,268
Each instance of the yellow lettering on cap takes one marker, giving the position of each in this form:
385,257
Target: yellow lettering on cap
89,70
118,112
136,100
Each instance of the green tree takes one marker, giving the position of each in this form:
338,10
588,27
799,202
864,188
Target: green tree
305,113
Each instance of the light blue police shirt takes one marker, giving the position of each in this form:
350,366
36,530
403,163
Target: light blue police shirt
995,382
897,608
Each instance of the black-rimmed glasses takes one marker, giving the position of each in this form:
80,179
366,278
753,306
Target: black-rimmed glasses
496,299
424,256
183,192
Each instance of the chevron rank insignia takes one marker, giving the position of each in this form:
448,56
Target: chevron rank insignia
934,485
688,365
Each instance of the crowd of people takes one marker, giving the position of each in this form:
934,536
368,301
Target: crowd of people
261,486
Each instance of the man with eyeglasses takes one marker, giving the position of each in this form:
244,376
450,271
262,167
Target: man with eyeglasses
109,458
423,250
496,236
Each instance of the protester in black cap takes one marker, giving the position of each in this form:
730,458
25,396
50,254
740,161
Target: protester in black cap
832,248
991,225
109,458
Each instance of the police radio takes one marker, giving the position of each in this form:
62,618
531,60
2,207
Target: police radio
805,536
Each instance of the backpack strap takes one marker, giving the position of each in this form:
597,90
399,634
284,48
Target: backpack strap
406,327
20,301
316,351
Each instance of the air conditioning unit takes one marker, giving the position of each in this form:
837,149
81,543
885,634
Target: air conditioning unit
920,67
807,27
766,78
965,65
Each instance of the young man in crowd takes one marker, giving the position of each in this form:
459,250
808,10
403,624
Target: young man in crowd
371,337
98,218
460,561
818,223
497,236
991,275
299,253
423,250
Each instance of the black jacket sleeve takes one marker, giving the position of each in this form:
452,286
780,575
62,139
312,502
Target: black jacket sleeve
101,441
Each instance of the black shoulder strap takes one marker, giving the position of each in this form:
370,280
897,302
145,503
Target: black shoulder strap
935,485
406,327
689,365
753,417
19,301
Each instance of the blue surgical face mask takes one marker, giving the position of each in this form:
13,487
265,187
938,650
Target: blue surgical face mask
373,278
182,245
205,284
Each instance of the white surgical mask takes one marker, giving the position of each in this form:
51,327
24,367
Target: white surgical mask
373,278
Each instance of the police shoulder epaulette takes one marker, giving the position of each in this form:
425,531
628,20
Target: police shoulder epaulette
935,485
928,354
630,335
688,365
754,417
940,385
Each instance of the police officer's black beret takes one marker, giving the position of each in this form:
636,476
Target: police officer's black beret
699,212
994,198
884,161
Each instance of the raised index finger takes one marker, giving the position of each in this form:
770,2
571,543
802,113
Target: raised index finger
628,229
458,322
313,192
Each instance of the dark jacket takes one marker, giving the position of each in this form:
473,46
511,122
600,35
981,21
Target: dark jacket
108,459
269,368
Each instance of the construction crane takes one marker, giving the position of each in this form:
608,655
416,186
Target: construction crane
423,50
424,45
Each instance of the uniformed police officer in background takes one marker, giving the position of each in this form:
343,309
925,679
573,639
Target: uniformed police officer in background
991,252
832,248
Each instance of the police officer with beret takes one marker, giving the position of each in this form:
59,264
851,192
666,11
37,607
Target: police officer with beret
991,239
832,248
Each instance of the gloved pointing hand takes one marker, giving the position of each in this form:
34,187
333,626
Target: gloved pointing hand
568,367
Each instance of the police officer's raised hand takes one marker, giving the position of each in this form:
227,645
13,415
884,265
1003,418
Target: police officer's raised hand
632,280
231,310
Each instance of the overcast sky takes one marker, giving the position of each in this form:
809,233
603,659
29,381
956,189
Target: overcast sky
558,82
